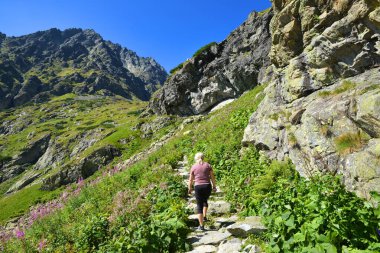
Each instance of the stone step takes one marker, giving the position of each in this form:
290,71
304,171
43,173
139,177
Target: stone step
230,246
225,221
214,207
250,225
204,249
207,237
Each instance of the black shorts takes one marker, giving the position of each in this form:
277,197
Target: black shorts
202,193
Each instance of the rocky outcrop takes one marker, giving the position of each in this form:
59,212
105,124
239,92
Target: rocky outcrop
83,169
53,62
337,131
219,72
315,43
30,154
321,106
34,151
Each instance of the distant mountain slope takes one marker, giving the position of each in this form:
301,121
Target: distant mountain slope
53,62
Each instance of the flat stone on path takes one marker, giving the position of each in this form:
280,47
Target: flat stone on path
226,221
214,207
208,237
230,246
203,249
250,225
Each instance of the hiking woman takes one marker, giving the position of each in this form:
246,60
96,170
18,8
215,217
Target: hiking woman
201,173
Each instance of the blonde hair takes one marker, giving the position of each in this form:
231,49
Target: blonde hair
199,157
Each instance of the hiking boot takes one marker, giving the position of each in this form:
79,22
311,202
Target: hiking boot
205,218
201,228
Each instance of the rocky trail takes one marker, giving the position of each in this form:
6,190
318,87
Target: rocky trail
224,231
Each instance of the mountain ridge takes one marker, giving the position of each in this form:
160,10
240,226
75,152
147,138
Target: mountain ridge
72,60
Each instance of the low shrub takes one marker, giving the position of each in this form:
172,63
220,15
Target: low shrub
318,215
204,48
178,67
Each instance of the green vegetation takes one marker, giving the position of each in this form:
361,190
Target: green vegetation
292,139
319,215
349,142
261,13
198,52
204,48
345,86
179,66
285,114
15,204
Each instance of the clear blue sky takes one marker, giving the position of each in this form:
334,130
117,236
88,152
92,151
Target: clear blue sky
170,31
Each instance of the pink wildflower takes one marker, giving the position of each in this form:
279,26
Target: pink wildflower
42,245
80,182
20,234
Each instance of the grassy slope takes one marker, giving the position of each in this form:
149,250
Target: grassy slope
67,118
224,128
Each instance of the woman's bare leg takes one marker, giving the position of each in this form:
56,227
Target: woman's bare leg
200,219
205,211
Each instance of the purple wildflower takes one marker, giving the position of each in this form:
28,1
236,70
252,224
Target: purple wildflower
80,182
378,231
20,234
41,245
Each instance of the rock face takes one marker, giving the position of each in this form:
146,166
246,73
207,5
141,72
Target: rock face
84,168
53,62
315,43
30,155
220,72
324,91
